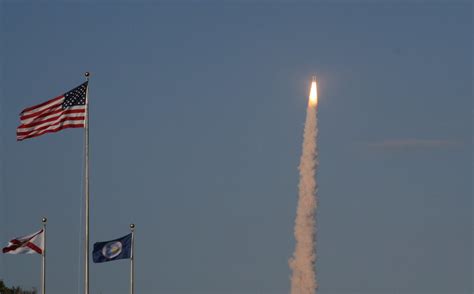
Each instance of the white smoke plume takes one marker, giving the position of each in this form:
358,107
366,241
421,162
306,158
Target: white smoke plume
302,264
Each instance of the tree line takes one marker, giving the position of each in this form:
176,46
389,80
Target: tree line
15,290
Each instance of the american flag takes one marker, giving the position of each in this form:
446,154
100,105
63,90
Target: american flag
65,111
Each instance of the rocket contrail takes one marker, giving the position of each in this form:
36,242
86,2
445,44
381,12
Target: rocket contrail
302,264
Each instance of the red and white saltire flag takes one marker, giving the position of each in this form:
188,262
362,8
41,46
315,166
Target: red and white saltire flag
30,244
65,111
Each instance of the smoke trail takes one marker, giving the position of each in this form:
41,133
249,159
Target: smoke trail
302,264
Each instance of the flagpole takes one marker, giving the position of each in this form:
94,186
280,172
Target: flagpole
132,258
43,258
86,191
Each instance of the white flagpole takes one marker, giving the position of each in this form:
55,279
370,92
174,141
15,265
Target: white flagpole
43,259
132,258
86,191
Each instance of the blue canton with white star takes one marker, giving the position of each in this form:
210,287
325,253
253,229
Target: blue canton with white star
76,96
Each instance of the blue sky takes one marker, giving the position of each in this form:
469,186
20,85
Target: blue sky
197,114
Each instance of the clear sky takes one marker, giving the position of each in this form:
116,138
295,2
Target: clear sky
197,114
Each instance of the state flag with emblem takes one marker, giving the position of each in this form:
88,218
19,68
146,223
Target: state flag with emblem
120,248
30,244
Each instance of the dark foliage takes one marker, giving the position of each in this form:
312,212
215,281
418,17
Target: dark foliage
14,290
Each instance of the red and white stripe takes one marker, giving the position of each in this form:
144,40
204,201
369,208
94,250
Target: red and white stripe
30,244
49,117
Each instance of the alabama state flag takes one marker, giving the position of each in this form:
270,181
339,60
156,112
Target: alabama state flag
33,243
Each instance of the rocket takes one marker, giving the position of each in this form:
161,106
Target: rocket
313,93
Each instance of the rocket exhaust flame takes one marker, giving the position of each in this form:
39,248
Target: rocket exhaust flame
313,93
302,264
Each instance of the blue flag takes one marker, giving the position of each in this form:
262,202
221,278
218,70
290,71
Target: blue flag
120,248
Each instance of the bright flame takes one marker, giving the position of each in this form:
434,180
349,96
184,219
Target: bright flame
313,94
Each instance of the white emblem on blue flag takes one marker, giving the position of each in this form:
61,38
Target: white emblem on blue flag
112,249
120,248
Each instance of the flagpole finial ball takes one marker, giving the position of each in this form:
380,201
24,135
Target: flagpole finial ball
132,226
44,220
87,74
